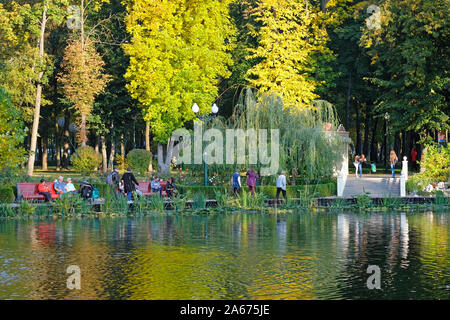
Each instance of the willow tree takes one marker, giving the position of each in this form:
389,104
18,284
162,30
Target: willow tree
178,52
292,32
307,145
83,79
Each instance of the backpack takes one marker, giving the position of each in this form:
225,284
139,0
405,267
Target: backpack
109,179
95,193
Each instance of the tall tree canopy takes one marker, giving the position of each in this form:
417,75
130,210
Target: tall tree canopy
178,52
83,79
291,34
410,51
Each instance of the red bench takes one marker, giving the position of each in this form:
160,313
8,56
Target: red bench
29,190
145,188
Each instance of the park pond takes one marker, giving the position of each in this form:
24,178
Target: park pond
239,255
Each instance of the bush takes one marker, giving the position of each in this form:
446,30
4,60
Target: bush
121,161
320,190
139,159
86,159
7,195
436,163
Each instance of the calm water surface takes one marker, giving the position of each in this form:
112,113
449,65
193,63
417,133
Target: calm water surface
228,256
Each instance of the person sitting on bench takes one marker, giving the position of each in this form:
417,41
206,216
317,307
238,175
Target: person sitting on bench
70,188
44,190
155,186
60,185
171,188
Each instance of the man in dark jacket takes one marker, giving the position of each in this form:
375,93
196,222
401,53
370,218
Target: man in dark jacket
129,182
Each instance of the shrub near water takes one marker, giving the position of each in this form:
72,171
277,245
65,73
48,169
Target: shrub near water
7,195
86,159
139,159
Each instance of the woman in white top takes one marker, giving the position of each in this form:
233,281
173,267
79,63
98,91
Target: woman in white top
281,185
70,188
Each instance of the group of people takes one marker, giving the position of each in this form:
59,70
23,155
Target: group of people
252,176
59,186
127,184
360,160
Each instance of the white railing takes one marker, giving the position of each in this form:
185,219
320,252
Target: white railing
404,177
342,179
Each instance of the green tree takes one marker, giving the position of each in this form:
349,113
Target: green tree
292,33
12,133
410,53
177,53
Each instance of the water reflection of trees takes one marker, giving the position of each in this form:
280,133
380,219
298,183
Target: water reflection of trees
227,256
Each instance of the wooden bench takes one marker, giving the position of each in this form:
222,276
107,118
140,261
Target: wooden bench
29,191
145,188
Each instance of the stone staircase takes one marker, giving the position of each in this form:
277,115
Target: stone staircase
377,187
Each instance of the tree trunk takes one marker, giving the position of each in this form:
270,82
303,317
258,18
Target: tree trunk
122,145
358,131
45,151
57,145
37,105
97,144
373,145
397,144
104,155
147,144
347,108
83,137
39,150
386,147
65,161
165,153
112,154
294,177
366,149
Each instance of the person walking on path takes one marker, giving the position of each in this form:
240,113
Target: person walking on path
393,159
236,182
44,190
251,180
129,184
362,160
281,185
356,164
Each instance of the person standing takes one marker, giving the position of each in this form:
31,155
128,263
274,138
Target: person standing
393,159
236,182
113,180
414,158
356,164
362,160
129,183
281,185
251,180
44,190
